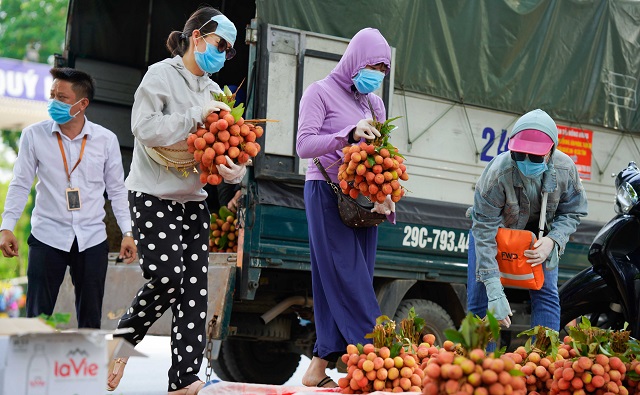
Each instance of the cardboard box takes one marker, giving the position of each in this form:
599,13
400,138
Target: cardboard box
35,359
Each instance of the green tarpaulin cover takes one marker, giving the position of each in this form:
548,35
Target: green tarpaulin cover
577,59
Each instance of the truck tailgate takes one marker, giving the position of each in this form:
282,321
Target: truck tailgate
124,281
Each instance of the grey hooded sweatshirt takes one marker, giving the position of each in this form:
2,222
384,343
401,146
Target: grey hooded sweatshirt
167,108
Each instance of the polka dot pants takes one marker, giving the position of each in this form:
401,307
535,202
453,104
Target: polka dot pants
173,246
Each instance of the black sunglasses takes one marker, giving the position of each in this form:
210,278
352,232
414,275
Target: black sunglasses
222,47
520,156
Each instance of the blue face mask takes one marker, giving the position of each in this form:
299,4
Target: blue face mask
367,80
211,60
530,169
60,112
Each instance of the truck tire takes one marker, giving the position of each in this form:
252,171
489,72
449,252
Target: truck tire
220,367
250,361
250,326
436,318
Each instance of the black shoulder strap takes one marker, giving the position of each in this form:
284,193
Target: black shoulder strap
316,161
373,113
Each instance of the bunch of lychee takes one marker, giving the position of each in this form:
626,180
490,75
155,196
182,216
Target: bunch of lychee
447,372
583,375
373,172
374,369
222,135
223,236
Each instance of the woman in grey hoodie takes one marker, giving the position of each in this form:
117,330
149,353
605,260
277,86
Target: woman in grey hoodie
168,209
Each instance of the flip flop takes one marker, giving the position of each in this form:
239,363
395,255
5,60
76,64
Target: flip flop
324,382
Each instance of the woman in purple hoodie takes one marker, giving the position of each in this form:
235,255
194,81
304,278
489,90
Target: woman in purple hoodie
335,112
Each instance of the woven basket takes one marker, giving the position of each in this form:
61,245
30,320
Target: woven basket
176,155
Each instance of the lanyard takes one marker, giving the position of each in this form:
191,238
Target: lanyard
64,157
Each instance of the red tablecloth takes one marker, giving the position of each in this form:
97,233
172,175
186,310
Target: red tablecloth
231,388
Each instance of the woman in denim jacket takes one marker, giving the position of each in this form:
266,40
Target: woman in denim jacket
508,194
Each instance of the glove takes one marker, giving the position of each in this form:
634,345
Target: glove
387,207
498,303
213,106
365,130
232,173
554,258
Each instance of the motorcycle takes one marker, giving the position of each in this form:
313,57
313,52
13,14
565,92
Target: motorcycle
608,292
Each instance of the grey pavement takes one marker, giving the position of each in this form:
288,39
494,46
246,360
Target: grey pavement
148,376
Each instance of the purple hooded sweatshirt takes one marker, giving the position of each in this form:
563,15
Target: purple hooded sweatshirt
331,108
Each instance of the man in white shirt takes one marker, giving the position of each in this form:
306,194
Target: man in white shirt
75,162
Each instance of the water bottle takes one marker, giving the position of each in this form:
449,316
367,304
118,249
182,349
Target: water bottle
38,372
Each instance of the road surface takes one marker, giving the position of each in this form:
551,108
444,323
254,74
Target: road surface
148,376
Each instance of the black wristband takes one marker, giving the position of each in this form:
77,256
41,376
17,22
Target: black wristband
352,140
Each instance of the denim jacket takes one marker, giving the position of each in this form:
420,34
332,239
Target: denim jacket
500,200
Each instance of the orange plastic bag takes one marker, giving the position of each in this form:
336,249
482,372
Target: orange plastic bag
514,269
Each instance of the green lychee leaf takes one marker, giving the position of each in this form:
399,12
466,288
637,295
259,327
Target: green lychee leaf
497,353
55,319
633,375
223,240
237,111
529,332
395,349
418,323
527,345
224,212
466,331
454,336
494,326
603,351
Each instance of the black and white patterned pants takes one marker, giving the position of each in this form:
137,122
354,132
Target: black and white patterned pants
173,247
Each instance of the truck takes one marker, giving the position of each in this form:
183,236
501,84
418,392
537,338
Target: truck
462,73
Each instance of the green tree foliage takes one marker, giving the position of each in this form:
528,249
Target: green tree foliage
15,267
38,24
11,139
33,30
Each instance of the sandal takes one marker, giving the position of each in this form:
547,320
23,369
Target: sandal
322,383
116,369
191,389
